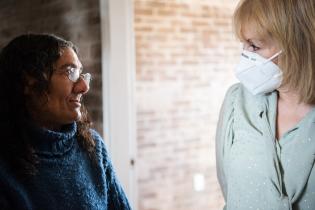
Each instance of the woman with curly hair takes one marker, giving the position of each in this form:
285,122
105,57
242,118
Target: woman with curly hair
50,158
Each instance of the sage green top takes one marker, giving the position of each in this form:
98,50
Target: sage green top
255,170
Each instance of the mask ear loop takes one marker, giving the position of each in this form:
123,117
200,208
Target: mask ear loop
275,55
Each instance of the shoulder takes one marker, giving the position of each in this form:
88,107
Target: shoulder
234,89
238,103
237,96
100,147
239,91
11,189
231,95
96,136
99,141
5,172
232,92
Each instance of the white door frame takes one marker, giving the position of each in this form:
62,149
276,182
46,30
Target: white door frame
118,85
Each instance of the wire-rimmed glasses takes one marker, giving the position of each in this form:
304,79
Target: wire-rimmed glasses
74,74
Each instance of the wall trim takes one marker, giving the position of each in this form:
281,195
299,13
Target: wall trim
118,86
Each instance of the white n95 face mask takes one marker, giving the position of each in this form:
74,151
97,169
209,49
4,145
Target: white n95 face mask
258,74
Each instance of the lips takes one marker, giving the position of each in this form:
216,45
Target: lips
75,102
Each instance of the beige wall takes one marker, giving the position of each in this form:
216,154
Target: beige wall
185,53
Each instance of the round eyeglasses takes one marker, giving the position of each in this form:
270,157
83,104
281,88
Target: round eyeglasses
74,74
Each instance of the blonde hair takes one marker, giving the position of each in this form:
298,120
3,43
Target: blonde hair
291,23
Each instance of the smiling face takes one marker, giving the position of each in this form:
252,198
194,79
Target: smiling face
61,104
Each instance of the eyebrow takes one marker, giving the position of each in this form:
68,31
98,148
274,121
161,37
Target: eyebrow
262,41
255,40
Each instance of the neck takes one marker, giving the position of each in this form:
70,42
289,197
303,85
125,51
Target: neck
42,123
288,97
291,100
290,111
48,126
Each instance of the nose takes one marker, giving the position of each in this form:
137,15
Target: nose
82,86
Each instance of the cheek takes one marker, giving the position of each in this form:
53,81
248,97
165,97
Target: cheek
264,53
38,104
59,98
60,92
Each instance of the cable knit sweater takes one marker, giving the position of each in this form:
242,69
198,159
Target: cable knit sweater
66,178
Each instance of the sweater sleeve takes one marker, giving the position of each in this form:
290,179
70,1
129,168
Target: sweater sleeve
4,204
224,136
117,199
12,195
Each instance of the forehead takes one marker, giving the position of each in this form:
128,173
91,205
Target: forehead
252,31
68,57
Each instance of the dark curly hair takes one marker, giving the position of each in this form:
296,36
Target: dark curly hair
29,55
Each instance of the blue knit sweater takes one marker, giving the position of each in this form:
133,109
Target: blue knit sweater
66,178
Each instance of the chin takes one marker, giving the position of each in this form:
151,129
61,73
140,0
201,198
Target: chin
75,116
78,116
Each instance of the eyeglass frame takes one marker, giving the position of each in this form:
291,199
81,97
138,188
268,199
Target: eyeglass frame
74,74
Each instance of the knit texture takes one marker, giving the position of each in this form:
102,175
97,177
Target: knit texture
67,178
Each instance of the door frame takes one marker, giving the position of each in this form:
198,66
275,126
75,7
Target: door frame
118,86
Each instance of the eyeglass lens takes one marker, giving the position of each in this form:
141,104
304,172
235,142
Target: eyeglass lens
74,75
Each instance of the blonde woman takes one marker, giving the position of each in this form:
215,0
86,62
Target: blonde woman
266,131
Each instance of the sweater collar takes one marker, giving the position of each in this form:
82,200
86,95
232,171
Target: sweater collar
48,142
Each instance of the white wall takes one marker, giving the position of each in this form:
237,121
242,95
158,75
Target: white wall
118,77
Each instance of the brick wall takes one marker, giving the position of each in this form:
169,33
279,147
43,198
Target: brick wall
185,53
78,21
